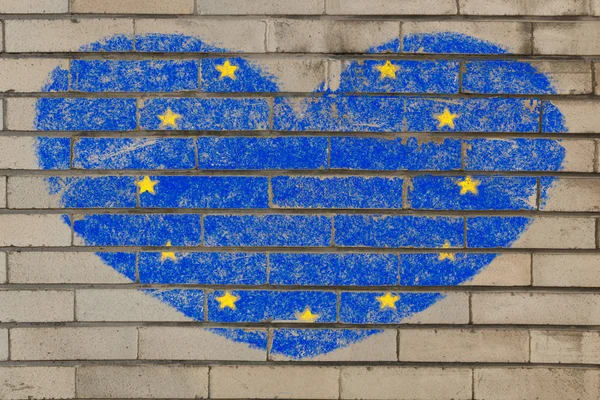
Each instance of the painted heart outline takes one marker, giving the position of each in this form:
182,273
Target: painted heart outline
366,114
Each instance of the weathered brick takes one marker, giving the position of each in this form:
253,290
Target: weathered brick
108,305
566,38
192,343
325,36
23,75
86,343
34,6
567,77
579,155
565,346
3,344
24,383
260,7
3,267
65,267
464,345
20,152
380,346
34,230
578,270
400,383
541,383
142,381
452,309
394,7
3,191
66,35
536,308
571,194
285,382
21,114
512,36
541,232
235,35
580,116
512,269
36,306
524,7
133,7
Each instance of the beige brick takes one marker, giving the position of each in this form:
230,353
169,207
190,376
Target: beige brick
512,269
282,382
557,233
32,192
3,344
327,36
567,77
573,194
65,343
25,75
61,267
34,230
18,152
34,6
401,383
581,116
523,7
2,192
142,381
236,35
452,309
378,347
512,36
123,305
24,383
578,270
3,265
536,383
391,7
464,345
261,7
61,35
36,305
133,7
595,7
193,343
575,347
21,114
579,155
304,74
536,308
566,38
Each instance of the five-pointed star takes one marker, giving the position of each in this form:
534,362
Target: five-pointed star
446,256
227,70
469,185
227,300
169,119
388,300
388,70
307,315
446,118
168,255
146,185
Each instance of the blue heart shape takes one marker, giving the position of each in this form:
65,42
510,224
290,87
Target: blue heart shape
360,113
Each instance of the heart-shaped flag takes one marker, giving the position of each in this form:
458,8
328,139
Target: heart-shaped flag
289,209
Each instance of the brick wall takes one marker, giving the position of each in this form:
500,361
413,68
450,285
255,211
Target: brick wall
318,199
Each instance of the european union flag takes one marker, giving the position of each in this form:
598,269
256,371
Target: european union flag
287,209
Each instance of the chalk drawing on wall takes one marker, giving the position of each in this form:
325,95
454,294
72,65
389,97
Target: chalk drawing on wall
299,264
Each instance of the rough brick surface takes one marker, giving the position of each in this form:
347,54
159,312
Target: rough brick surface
394,7
2,192
33,230
561,198
578,270
36,306
37,382
133,7
27,75
569,38
566,346
3,344
3,267
261,7
524,7
34,7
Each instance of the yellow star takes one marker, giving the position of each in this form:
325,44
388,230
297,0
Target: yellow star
469,185
307,315
146,185
446,256
227,300
388,70
169,119
227,70
168,255
388,300
446,118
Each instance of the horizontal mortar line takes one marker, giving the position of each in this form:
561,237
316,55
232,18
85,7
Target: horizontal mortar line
12,173
326,212
316,288
139,55
333,249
